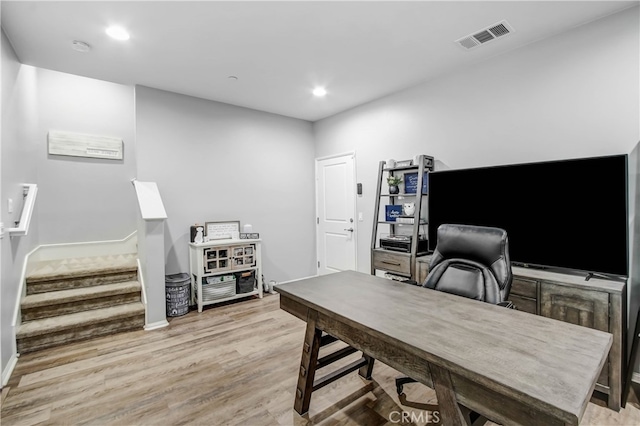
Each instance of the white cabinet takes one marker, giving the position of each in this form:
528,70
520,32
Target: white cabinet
224,270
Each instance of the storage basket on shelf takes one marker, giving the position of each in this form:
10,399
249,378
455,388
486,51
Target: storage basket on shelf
218,287
246,282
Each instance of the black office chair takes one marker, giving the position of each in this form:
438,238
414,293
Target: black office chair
469,261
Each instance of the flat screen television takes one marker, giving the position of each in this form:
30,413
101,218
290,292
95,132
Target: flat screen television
569,214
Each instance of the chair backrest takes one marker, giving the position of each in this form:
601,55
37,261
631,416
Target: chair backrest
471,261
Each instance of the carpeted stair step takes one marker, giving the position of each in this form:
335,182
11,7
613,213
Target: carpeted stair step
65,274
49,332
63,302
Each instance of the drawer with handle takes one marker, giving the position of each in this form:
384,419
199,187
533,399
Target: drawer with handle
392,262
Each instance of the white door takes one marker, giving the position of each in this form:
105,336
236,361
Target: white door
336,226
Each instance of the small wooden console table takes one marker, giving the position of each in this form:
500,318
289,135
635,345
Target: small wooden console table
217,266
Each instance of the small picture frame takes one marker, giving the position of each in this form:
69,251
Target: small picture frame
249,235
222,230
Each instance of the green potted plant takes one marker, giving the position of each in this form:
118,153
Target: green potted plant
393,182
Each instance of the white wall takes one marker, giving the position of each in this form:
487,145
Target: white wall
217,162
84,199
18,113
573,95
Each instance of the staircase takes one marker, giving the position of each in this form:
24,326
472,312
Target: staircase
69,300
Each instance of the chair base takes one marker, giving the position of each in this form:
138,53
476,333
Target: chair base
401,381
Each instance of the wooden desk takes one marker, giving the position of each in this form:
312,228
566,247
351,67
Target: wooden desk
512,367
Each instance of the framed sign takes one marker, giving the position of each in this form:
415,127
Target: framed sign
249,235
222,230
411,183
392,212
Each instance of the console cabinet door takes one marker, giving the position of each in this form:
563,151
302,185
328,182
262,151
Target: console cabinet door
577,306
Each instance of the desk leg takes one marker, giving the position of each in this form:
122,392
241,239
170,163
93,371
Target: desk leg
308,363
366,370
450,412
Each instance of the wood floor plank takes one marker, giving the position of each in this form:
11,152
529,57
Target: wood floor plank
232,364
28,417
50,394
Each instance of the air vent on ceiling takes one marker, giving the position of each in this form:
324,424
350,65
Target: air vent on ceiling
485,35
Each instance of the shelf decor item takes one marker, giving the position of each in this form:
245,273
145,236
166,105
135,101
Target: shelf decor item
409,209
393,182
199,237
196,230
392,212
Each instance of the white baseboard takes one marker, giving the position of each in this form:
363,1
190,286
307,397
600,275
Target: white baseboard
6,373
635,377
156,325
297,279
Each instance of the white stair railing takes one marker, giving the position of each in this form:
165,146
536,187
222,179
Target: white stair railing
29,200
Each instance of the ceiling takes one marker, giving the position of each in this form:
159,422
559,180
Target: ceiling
358,50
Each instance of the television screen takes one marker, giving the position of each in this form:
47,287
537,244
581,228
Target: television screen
569,214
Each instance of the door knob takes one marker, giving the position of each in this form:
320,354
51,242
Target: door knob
348,229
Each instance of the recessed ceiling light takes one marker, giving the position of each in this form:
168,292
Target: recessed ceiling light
118,33
319,91
80,46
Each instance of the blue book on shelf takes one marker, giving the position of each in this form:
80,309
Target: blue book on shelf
392,212
411,183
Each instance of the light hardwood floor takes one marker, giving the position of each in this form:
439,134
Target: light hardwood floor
235,364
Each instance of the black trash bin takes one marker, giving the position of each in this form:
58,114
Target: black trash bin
178,292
